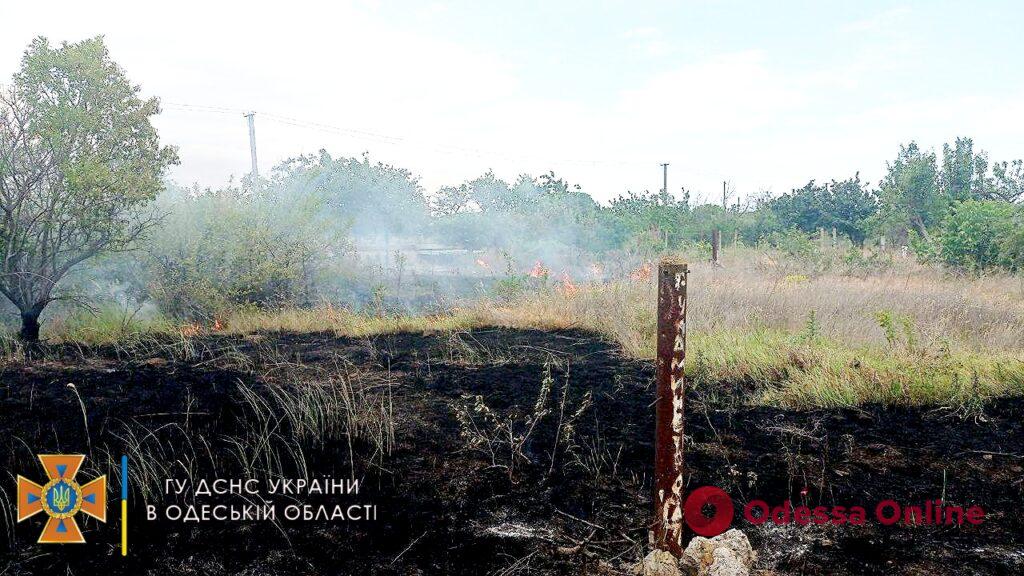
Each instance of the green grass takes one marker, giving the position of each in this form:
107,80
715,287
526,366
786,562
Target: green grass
767,366
790,370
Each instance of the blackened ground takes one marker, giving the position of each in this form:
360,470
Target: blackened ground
574,497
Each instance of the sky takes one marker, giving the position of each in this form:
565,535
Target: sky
765,95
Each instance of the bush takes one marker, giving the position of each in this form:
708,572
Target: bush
218,250
973,231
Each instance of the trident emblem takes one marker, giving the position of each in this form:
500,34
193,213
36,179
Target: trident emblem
61,498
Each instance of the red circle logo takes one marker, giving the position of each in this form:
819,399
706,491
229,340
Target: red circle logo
694,507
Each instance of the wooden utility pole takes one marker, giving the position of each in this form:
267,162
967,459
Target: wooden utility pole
252,145
669,403
664,184
716,246
725,197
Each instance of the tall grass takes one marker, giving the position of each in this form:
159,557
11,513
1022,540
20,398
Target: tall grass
796,332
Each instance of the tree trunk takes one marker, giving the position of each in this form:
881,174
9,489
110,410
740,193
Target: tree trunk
920,228
30,325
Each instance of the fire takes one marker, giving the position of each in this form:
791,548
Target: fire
643,273
539,270
217,325
481,263
568,287
189,330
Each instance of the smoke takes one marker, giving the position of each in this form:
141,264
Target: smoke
360,234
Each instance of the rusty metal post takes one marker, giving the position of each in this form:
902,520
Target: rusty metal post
668,441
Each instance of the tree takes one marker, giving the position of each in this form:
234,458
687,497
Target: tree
218,249
79,164
964,173
973,231
845,205
909,192
1008,182
376,199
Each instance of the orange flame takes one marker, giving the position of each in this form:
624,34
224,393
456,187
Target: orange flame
189,330
568,287
643,273
539,270
217,324
481,263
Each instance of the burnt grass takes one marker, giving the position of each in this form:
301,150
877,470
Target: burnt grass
580,504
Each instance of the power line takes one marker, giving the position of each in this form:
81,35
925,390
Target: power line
423,144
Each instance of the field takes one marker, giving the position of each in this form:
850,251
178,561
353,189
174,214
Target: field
514,435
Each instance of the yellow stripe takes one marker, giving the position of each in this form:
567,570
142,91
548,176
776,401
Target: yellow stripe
124,527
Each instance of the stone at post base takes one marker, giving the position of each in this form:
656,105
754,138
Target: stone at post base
660,563
728,554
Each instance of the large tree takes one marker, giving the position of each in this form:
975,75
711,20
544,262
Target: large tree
846,205
80,163
910,193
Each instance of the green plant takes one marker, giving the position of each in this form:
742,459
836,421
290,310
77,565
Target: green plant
898,329
812,330
973,231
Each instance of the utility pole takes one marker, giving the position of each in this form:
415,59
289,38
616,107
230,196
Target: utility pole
252,145
724,197
664,184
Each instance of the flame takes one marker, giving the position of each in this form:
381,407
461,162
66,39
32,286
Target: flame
643,273
189,330
217,325
567,286
481,263
539,270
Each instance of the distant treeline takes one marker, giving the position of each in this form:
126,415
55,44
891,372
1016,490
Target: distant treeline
84,203
959,209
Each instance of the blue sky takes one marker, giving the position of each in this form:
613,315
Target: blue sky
766,95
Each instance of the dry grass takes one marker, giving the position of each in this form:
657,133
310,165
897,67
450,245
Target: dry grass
956,341
982,315
800,336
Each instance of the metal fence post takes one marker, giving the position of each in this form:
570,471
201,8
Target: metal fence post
669,418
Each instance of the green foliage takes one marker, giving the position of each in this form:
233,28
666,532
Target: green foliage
79,164
537,217
812,330
909,192
858,264
794,243
846,206
1008,181
964,173
973,231
233,247
1011,253
370,198
898,329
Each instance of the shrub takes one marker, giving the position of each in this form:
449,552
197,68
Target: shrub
221,249
973,231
